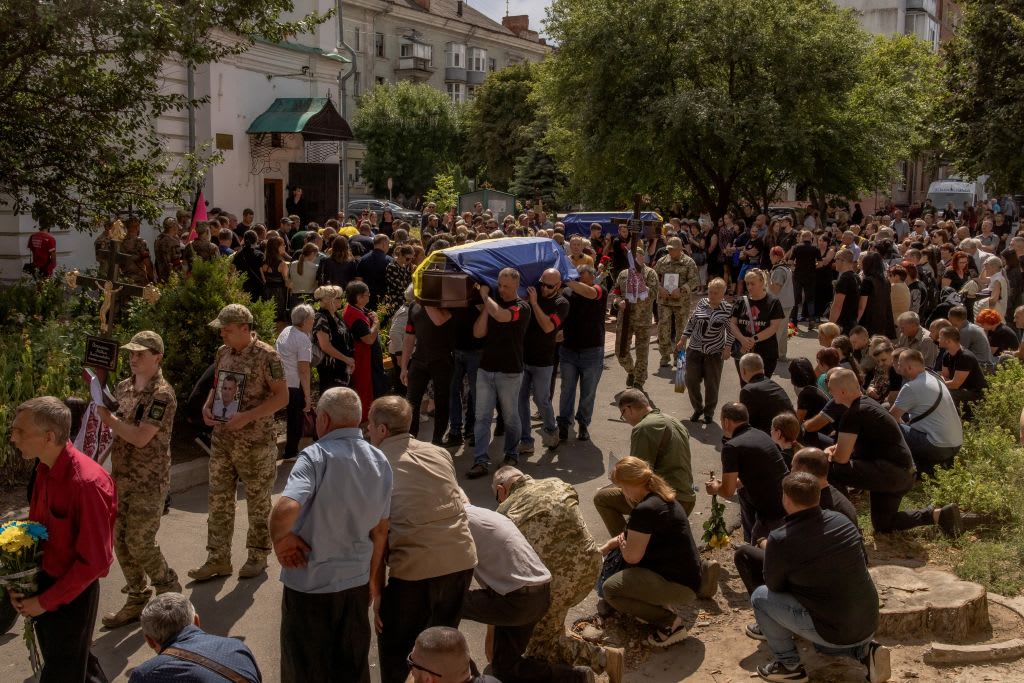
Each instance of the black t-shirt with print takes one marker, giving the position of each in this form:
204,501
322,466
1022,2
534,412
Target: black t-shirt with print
760,312
503,346
538,345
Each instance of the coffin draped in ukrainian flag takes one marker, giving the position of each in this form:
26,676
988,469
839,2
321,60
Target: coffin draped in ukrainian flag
448,277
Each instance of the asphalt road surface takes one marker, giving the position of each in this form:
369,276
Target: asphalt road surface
250,609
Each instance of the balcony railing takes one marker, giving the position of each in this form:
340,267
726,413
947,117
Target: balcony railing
414,63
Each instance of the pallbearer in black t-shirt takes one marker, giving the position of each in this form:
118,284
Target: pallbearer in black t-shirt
550,310
427,356
871,454
502,324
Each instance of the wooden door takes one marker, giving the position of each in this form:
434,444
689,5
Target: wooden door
273,202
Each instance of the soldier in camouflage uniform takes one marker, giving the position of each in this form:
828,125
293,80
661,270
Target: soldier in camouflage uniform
640,290
547,512
168,251
201,247
141,467
134,260
244,446
675,307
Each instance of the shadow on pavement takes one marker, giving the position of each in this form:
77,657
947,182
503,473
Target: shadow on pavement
221,614
113,648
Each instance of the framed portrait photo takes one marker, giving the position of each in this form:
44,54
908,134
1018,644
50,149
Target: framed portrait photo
227,394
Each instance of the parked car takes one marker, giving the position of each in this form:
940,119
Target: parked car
356,208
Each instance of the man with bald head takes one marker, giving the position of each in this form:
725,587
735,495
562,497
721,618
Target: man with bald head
550,309
871,454
441,654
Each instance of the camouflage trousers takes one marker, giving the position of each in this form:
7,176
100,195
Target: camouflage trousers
138,519
640,335
254,465
550,640
671,323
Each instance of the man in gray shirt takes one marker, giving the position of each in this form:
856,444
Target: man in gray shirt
972,337
515,593
933,430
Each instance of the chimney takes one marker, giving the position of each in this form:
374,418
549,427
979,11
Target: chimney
424,4
458,8
517,24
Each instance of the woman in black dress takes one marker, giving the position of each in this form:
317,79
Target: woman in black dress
275,275
332,337
340,267
874,311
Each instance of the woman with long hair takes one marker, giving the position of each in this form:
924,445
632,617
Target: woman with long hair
302,273
368,378
663,571
340,267
957,273
883,382
874,310
275,274
844,346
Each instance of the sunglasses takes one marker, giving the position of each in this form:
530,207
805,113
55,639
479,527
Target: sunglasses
413,665
547,286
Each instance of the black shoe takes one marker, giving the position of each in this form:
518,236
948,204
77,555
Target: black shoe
477,470
708,419
777,671
877,663
583,434
563,431
950,521
510,460
452,440
696,416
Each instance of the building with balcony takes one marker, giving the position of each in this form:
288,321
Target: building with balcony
275,115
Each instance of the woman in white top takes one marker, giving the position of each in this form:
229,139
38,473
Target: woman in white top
302,272
997,288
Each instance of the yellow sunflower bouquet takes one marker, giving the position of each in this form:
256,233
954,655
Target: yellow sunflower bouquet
20,557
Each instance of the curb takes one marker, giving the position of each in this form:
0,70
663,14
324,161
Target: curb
946,654
189,474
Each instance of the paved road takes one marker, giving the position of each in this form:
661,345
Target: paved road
250,610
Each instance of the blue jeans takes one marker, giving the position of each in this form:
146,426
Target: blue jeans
538,380
492,387
583,367
466,365
781,616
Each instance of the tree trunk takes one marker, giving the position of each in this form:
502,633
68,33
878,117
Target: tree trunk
928,604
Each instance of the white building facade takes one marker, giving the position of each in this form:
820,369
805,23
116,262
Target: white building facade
441,42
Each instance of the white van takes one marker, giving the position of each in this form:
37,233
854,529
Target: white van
942,192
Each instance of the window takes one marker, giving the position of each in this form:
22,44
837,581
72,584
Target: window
515,59
357,175
455,92
356,77
477,59
455,56
378,42
357,39
492,64
419,51
381,80
470,91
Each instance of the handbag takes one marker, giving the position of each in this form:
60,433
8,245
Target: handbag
613,564
309,424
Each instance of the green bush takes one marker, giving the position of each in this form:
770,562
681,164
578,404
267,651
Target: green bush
181,318
1003,400
29,301
996,564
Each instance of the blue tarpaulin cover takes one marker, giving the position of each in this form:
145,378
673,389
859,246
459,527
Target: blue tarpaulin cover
579,223
482,261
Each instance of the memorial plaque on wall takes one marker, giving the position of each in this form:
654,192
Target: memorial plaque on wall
101,353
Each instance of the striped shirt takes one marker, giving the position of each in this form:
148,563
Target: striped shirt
708,328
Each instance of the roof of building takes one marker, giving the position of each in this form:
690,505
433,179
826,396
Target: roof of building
314,117
306,49
448,9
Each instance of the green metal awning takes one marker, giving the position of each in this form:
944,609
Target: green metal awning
314,117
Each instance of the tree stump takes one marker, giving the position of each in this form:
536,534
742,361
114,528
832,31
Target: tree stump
928,604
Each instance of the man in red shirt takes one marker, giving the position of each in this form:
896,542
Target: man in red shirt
44,250
74,498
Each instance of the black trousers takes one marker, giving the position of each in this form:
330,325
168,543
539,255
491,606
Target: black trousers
325,636
409,607
296,402
887,484
65,638
706,368
421,374
750,566
514,617
754,527
804,290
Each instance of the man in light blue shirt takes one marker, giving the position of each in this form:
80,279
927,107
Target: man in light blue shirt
330,529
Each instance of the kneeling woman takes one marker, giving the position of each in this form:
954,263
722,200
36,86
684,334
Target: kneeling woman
663,570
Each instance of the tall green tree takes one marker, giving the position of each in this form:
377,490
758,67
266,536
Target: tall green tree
536,171
719,95
983,93
498,121
82,83
410,131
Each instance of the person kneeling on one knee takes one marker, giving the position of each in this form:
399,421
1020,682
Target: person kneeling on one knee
817,586
664,572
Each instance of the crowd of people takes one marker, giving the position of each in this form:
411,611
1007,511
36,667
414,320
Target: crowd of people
373,520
